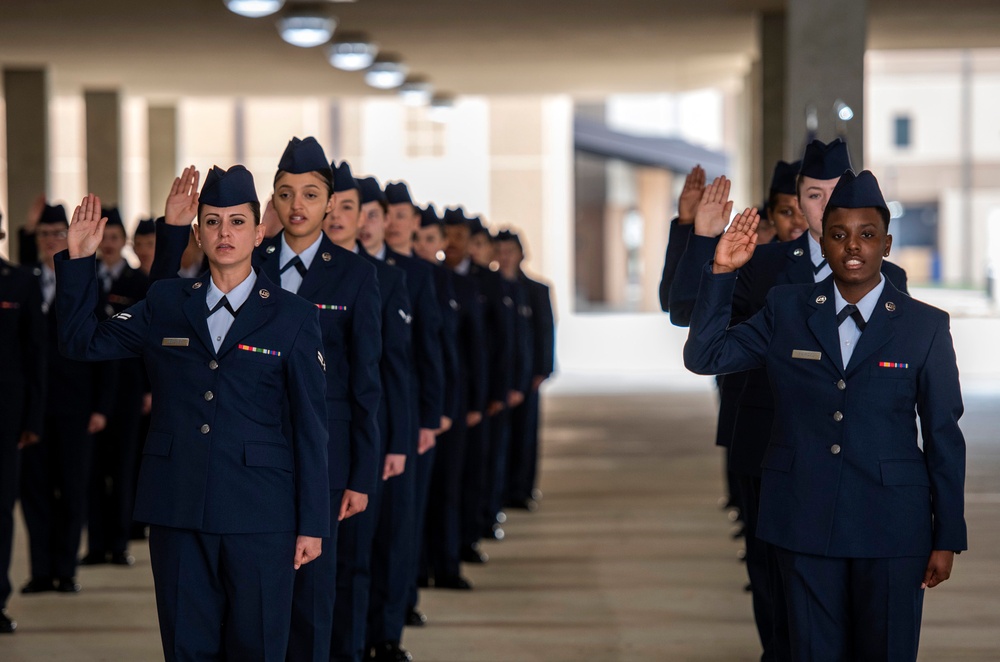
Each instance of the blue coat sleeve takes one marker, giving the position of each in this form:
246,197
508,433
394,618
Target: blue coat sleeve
366,386
449,342
714,348
306,385
81,337
939,404
427,350
677,240
684,290
171,242
396,349
33,347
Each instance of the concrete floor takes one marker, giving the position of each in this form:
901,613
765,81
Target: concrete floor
629,558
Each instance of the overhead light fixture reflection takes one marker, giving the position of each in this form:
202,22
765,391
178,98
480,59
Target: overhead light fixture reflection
307,26
386,73
254,8
416,91
352,52
441,107
844,112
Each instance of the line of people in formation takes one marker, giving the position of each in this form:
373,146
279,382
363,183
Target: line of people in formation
823,363
318,407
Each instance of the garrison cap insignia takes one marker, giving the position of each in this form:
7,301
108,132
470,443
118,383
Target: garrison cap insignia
798,252
196,285
326,257
264,293
322,361
821,298
890,306
269,249
123,317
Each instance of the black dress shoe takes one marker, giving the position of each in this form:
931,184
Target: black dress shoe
389,651
7,625
415,618
472,554
67,585
454,583
38,585
122,558
93,558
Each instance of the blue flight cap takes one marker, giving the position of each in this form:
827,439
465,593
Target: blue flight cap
429,217
302,156
476,227
857,192
343,180
783,179
114,216
455,216
397,193
228,188
371,191
825,161
54,214
145,226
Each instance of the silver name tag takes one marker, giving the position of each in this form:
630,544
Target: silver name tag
805,354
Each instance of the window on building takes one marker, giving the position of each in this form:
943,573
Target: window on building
425,138
902,131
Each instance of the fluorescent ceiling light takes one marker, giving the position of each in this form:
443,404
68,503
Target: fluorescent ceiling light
306,27
386,73
352,52
254,8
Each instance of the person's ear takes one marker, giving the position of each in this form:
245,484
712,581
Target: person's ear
260,234
196,228
888,244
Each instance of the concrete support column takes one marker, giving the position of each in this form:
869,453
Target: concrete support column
826,59
104,150
27,100
162,155
773,78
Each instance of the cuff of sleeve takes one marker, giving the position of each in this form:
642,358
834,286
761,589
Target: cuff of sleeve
732,275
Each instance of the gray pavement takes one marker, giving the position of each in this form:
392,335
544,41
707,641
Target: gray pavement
629,558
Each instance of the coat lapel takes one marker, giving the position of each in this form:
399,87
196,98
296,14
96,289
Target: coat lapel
823,322
267,256
799,268
252,315
196,310
879,329
320,270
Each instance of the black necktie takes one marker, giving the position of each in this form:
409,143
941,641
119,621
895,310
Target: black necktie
850,310
819,267
297,263
223,303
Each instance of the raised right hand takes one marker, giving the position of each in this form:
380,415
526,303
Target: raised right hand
714,209
87,229
690,198
737,245
182,203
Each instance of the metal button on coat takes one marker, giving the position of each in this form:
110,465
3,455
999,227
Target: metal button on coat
205,429
837,416
842,385
835,449
209,395
213,364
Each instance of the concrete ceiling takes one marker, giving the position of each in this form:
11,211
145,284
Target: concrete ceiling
587,48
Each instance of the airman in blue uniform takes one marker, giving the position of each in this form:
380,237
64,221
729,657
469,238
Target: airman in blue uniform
861,516
234,479
22,376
